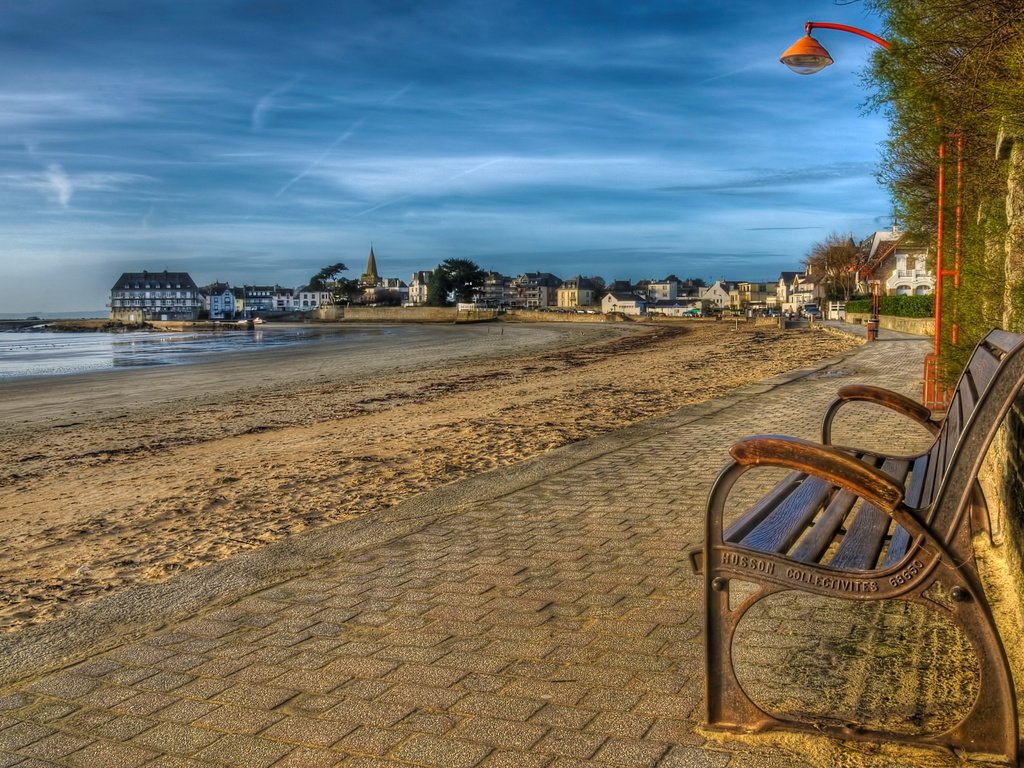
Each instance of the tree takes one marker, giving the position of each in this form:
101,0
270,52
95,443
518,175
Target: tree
833,263
324,279
454,279
954,76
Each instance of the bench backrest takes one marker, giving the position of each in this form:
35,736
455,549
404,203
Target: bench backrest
984,393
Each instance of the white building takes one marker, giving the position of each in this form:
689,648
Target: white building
901,266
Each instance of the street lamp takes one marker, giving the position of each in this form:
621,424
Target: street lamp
806,57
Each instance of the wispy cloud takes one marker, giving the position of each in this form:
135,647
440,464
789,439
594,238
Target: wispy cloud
56,184
323,156
266,102
59,183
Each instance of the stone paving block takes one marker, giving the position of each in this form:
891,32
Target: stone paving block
427,722
110,754
175,738
375,713
501,707
509,759
500,733
255,696
371,740
441,753
64,685
124,728
310,757
9,759
631,752
187,710
55,746
348,667
568,743
247,751
237,720
144,703
422,696
309,731
45,711
19,735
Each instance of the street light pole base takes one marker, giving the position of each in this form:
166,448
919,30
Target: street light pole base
936,393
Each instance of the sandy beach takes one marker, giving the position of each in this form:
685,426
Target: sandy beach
111,480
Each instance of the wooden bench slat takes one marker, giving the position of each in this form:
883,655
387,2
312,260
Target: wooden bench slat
1002,340
898,545
918,474
968,395
784,525
931,474
983,366
817,540
865,536
753,517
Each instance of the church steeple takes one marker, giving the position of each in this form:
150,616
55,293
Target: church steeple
370,276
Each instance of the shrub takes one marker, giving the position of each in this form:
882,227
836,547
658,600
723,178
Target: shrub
897,306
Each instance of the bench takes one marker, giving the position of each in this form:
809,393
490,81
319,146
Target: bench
865,526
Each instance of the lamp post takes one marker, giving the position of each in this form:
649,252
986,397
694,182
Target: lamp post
806,57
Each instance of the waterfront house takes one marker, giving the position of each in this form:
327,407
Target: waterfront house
141,296
219,301
899,264
306,298
624,303
496,292
663,290
716,295
259,299
283,299
804,289
577,291
418,286
680,307
756,297
239,293
534,290
783,300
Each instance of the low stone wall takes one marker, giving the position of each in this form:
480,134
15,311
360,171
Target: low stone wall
539,316
919,326
413,315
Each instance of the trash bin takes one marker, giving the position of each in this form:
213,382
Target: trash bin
872,329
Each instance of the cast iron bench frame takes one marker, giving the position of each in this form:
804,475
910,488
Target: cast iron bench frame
867,526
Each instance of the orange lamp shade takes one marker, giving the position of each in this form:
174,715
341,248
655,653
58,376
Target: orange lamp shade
806,56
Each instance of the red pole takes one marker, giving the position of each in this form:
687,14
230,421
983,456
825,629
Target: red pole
940,232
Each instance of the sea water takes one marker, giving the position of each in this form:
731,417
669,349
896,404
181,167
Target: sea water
46,353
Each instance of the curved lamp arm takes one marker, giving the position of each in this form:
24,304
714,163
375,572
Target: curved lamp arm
845,28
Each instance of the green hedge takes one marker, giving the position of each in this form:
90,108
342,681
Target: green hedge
897,306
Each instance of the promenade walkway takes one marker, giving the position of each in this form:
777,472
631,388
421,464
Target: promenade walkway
543,615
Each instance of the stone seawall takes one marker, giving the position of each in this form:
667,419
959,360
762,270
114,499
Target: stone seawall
410,315
919,326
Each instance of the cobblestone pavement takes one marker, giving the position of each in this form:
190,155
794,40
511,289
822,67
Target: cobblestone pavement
544,615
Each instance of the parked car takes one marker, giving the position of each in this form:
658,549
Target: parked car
810,311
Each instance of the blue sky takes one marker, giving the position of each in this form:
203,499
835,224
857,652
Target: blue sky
258,140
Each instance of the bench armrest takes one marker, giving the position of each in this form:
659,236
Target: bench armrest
840,468
824,461
879,396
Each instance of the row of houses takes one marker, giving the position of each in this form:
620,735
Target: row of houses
891,263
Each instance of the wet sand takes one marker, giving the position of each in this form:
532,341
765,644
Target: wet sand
111,480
